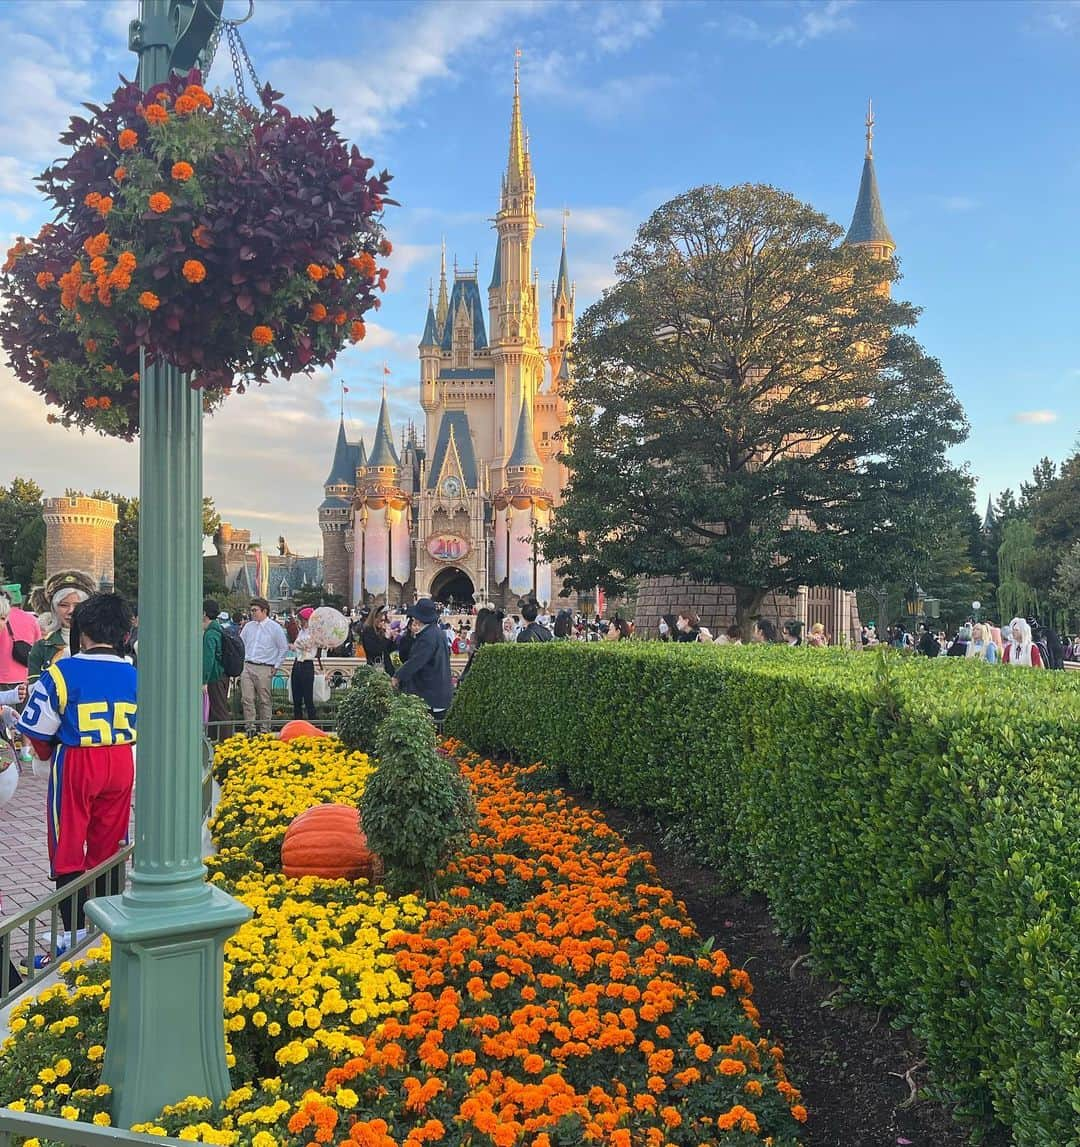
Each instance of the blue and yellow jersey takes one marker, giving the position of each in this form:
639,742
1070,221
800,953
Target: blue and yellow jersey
87,700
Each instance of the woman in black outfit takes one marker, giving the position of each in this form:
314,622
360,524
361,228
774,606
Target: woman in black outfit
488,630
376,640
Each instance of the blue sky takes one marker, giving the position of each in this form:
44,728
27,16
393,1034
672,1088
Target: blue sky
628,103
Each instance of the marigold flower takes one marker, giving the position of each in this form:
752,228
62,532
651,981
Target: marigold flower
90,402
91,199
97,244
262,336
314,271
339,271
185,105
340,318
364,263
104,402
357,330
201,236
149,300
385,247
199,95
194,271
317,312
104,205
127,261
799,1113
91,346
160,203
155,114
120,174
45,278
182,171
729,1066
127,139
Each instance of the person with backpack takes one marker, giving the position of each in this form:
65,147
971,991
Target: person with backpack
214,678
19,632
533,630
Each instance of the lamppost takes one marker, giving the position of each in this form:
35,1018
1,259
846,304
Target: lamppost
168,929
914,603
976,607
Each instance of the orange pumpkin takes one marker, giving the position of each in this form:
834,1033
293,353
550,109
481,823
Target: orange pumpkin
326,841
300,729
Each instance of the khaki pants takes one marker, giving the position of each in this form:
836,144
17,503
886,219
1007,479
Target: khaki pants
255,694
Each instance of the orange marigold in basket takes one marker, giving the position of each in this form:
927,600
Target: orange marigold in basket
182,171
201,236
199,95
127,139
120,174
385,247
127,261
340,318
185,105
104,402
262,336
155,113
364,263
97,244
105,205
357,330
90,402
160,203
194,271
92,199
149,300
315,272
97,265
44,278
317,312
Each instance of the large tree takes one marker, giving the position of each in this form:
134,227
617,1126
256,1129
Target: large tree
22,530
745,412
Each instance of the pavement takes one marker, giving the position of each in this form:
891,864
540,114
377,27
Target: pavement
24,871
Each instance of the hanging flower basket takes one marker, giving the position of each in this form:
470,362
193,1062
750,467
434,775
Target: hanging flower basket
235,243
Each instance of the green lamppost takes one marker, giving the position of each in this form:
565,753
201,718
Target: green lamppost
168,930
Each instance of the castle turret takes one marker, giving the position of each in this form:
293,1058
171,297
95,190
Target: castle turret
868,227
382,550
79,535
562,318
335,512
443,305
429,359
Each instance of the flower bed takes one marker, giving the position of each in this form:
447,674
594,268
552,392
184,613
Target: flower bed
557,995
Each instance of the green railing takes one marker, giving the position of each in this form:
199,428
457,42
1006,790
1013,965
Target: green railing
17,1125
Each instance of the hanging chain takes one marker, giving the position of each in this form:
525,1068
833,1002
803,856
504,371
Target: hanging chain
238,49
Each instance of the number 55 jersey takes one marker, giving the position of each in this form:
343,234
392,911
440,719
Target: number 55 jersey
85,708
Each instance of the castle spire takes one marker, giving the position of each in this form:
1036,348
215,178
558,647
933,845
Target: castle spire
524,452
562,283
342,472
444,299
868,227
382,451
515,167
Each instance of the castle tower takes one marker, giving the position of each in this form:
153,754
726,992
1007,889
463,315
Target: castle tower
868,227
79,535
513,296
382,547
444,301
336,511
522,507
429,360
562,319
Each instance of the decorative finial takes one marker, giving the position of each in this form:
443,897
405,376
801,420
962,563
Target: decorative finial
431,292
869,128
565,216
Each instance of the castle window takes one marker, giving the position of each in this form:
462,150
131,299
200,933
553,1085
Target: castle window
543,435
562,311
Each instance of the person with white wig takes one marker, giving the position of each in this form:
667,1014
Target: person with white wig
1019,648
981,646
55,604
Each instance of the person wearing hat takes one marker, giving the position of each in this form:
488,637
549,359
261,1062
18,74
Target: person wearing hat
426,673
55,604
303,670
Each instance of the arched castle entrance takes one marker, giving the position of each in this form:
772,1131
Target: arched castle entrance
452,584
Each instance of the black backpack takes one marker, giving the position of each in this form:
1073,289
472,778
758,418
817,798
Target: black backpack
232,653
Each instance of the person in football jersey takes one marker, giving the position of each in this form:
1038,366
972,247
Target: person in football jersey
81,714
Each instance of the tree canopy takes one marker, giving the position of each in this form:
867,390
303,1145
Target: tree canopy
746,409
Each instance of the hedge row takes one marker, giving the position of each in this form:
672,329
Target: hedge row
918,820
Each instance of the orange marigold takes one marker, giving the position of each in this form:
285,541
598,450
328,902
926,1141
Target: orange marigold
90,402
194,271
385,247
97,244
160,203
185,105
97,265
262,336
201,236
105,205
364,263
317,312
149,300
120,174
127,261
357,330
44,278
199,95
314,271
182,171
799,1112
104,402
92,199
340,318
127,139
731,1066
339,271
155,113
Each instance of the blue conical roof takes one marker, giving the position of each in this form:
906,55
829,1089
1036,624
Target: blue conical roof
524,452
431,332
383,452
562,283
868,223
342,472
496,271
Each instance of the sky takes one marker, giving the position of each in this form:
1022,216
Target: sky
628,103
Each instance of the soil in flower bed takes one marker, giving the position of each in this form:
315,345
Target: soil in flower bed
842,1054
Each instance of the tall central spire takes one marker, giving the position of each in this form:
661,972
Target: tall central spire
444,299
515,167
869,127
868,227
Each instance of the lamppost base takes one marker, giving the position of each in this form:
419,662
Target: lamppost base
166,1029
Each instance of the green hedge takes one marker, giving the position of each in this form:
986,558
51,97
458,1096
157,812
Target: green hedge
918,820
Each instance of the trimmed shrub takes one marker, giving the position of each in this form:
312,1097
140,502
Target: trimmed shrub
365,704
417,807
918,820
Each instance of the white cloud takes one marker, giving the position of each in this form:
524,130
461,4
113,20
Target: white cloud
1035,417
618,26
817,20
616,222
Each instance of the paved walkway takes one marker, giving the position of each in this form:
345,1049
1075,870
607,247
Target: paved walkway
24,872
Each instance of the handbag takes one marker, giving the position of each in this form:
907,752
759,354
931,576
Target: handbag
321,690
20,650
9,772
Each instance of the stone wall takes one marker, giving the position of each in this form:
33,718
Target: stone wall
337,564
79,535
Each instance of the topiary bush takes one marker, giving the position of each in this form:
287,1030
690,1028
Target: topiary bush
365,703
919,820
417,807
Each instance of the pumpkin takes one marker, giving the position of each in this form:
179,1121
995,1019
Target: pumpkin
326,841
300,729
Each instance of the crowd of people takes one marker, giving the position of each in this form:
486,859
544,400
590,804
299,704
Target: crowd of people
1022,641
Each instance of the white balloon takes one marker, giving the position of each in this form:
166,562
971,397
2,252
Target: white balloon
328,627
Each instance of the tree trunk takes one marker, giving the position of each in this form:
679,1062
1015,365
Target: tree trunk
747,602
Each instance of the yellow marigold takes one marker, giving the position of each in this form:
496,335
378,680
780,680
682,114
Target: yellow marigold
262,336
316,272
160,202
194,271
149,300
182,171
155,113
127,139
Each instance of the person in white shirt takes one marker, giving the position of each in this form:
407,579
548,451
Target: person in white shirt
265,647
303,671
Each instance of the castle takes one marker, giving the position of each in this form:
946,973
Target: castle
454,514
457,521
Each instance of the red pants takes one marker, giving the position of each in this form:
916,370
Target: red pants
89,805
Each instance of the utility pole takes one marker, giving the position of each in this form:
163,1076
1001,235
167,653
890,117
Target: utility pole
168,929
